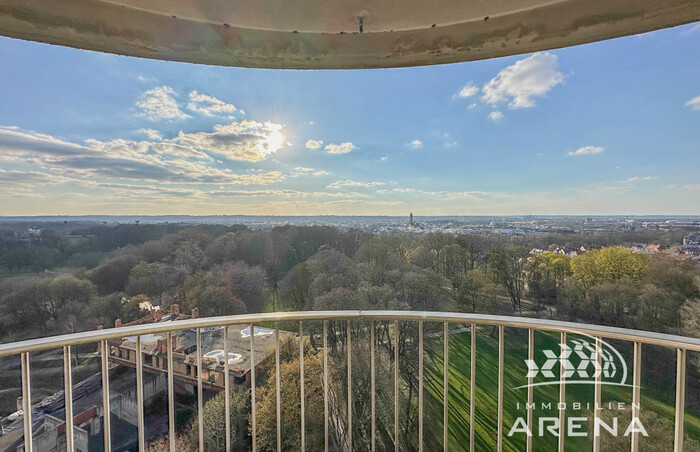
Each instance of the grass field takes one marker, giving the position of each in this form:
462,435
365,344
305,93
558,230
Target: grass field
659,400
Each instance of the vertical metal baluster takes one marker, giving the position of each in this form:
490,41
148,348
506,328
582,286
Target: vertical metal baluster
106,418
597,397
325,385
27,401
200,390
472,388
562,397
349,385
277,387
445,384
680,400
68,397
636,391
499,445
227,389
301,383
396,385
373,384
139,395
171,393
420,386
252,388
530,392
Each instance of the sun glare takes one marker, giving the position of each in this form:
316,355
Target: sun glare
272,143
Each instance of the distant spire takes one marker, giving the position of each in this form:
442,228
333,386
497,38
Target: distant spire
410,219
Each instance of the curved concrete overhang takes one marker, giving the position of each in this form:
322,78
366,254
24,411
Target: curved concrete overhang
333,34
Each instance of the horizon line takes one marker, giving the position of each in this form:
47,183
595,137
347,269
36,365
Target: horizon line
351,215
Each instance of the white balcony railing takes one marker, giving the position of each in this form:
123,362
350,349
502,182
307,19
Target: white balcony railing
637,338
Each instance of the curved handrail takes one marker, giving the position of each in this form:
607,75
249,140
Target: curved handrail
645,337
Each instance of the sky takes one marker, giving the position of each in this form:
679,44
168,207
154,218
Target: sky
604,128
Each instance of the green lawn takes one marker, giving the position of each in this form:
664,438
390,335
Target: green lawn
659,400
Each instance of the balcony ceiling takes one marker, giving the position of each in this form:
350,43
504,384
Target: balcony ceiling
325,34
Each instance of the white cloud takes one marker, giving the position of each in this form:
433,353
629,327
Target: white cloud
474,195
641,178
151,134
352,183
694,103
472,106
289,193
209,105
415,144
14,141
245,140
695,28
384,158
304,170
159,103
314,144
28,179
520,83
257,179
184,159
139,192
342,148
468,90
496,116
587,150
450,144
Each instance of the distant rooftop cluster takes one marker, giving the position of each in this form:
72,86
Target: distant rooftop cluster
34,227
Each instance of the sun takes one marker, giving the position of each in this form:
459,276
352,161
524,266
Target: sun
273,142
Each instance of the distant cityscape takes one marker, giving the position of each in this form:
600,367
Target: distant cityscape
506,225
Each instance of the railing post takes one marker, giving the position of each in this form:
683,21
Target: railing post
636,392
253,431
349,331
301,385
396,385
678,436
139,396
325,385
106,418
420,386
445,385
200,390
597,396
562,395
472,387
373,385
501,346
27,401
171,393
227,390
68,397
530,395
278,387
